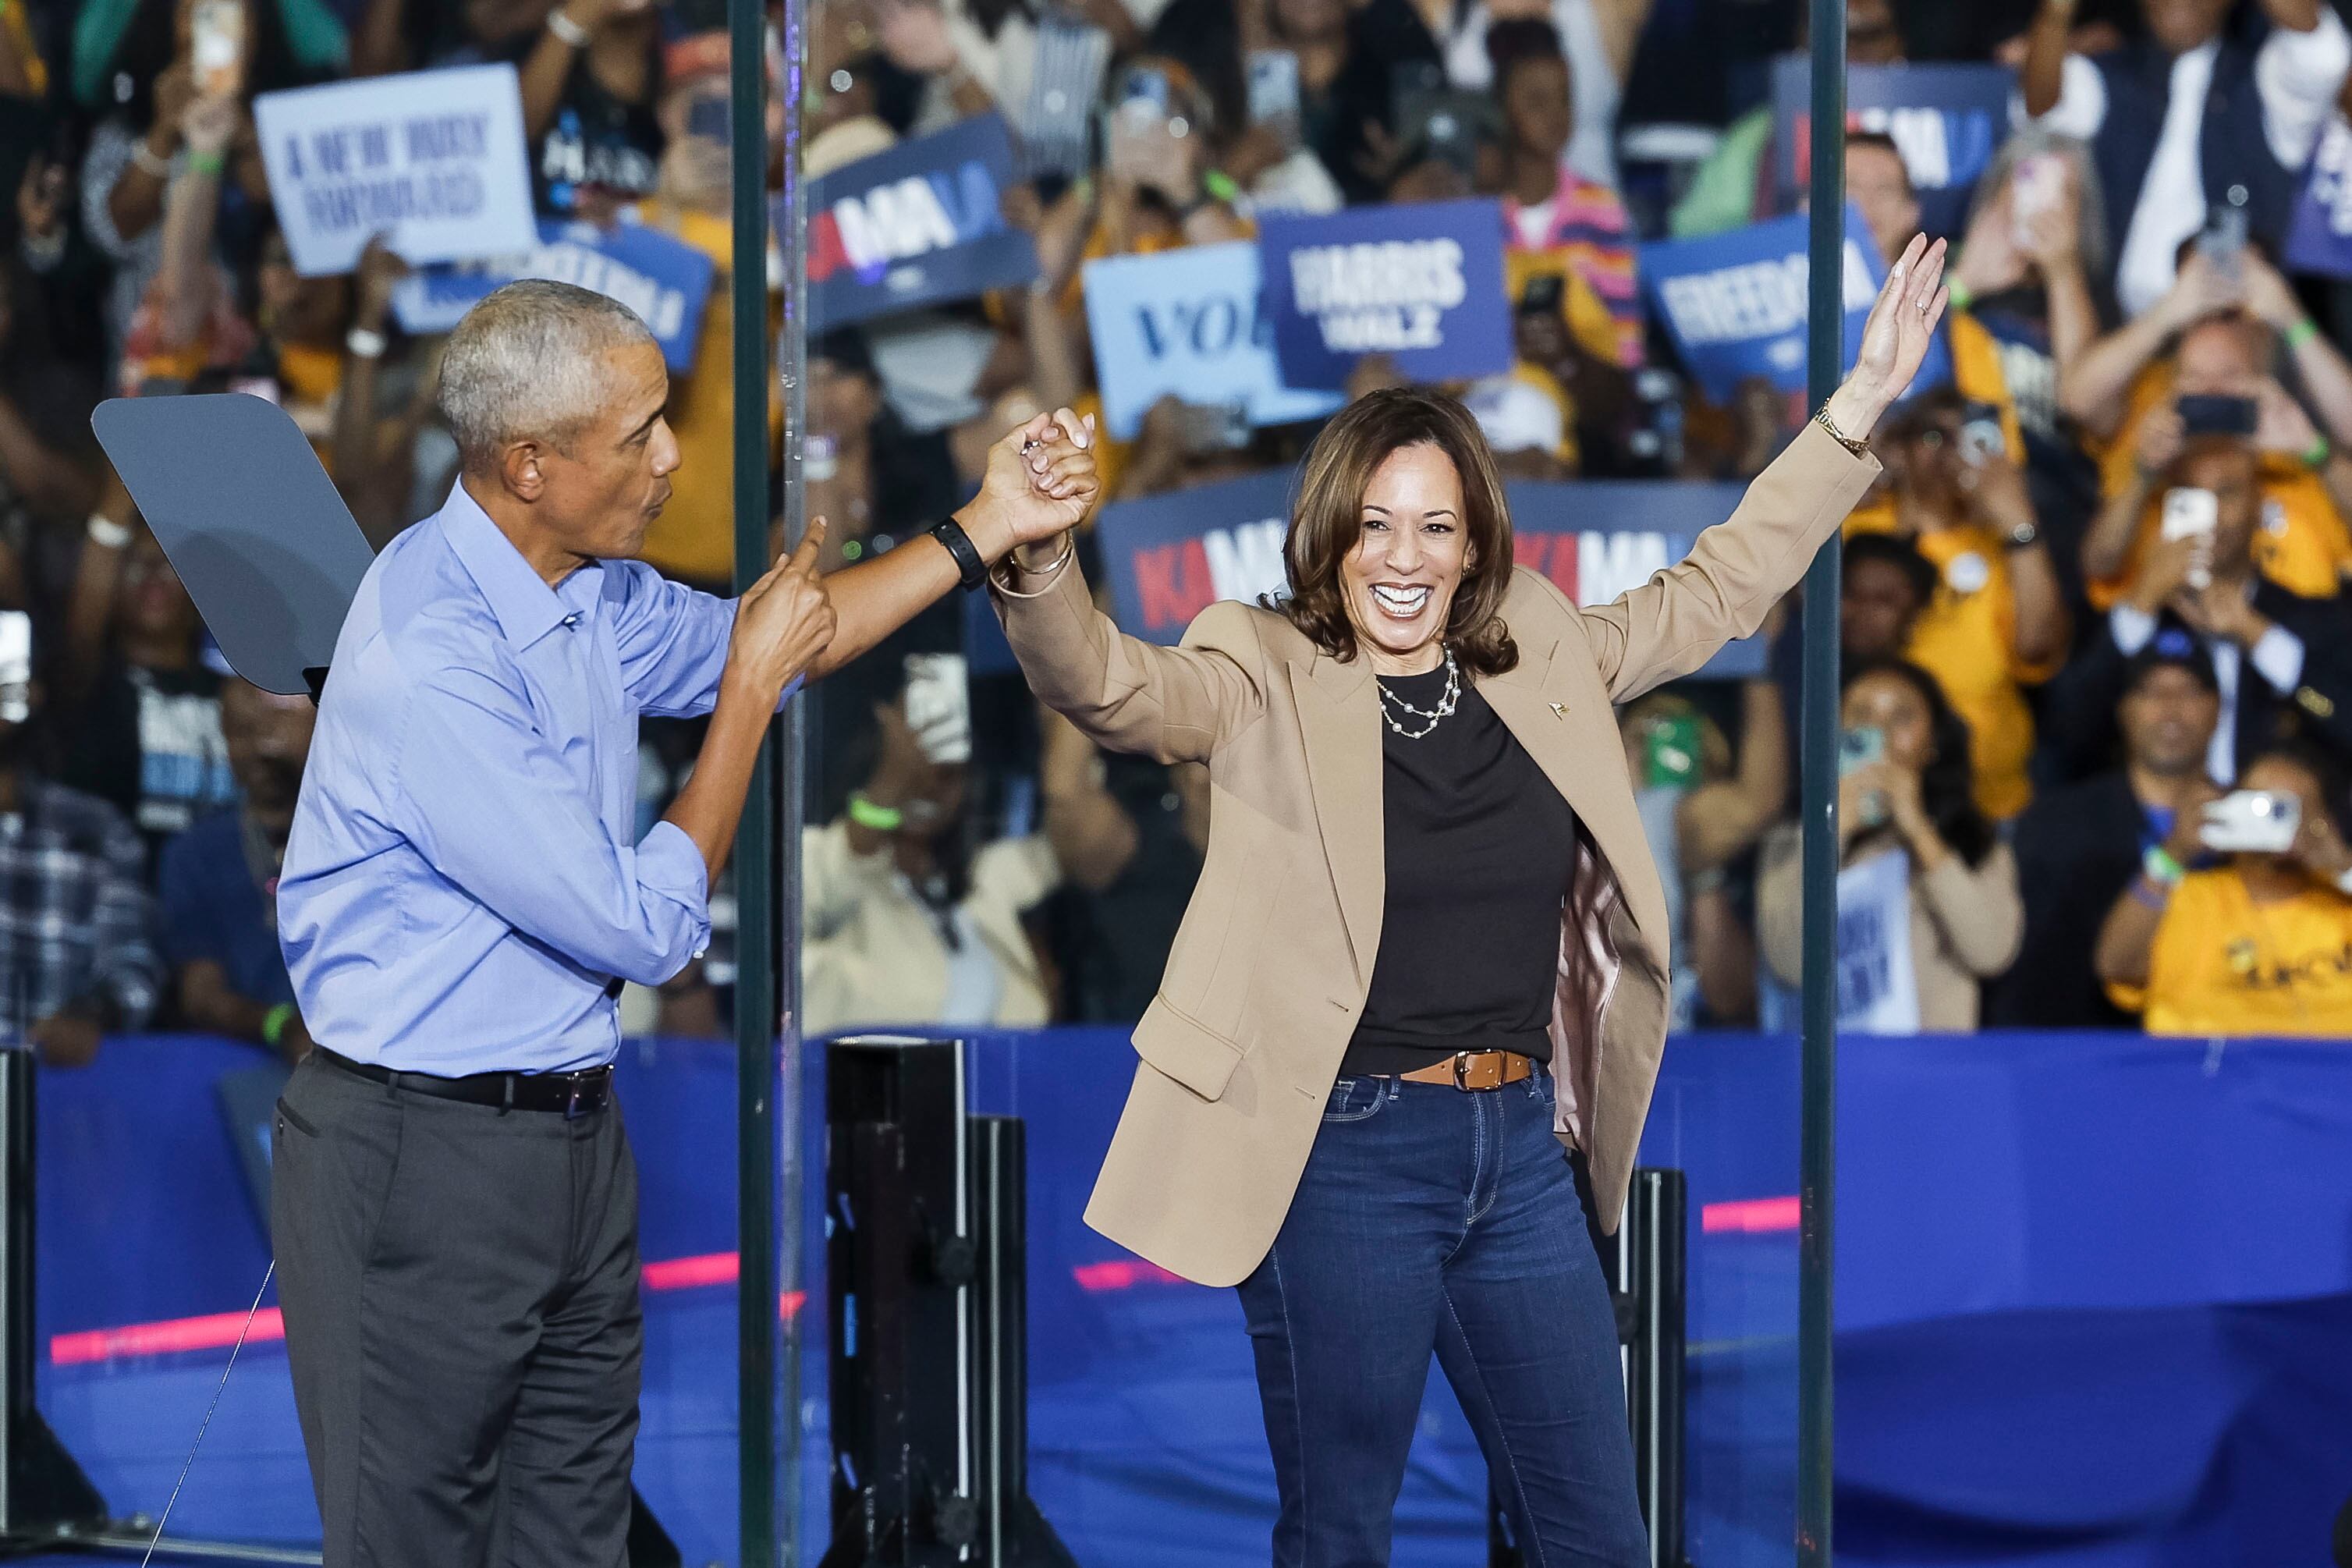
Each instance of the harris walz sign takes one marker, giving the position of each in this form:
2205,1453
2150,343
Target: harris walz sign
914,225
1172,556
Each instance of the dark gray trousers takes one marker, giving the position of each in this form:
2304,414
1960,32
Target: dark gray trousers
460,1287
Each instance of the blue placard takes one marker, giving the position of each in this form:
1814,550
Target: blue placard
2320,237
1420,282
1947,120
1734,304
665,280
914,225
1172,556
1188,323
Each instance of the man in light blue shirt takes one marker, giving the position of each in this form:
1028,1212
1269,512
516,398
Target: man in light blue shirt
454,1205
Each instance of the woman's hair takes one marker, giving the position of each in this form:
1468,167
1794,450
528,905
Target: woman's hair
1328,518
1947,784
2091,206
1515,41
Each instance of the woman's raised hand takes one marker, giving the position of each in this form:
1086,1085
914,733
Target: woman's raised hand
1895,340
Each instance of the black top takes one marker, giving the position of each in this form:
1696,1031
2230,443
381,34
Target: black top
1480,851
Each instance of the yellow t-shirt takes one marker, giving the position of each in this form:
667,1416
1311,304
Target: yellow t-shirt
2302,545
1977,376
2223,965
1597,332
694,538
1973,614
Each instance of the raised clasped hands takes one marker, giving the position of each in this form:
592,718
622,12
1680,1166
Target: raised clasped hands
1041,482
1894,341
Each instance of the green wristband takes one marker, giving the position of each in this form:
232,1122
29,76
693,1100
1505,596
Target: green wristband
1220,185
2302,332
2160,868
273,1022
2315,455
1962,295
206,162
880,819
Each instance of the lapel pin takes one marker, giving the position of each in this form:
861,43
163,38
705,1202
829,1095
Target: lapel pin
1559,710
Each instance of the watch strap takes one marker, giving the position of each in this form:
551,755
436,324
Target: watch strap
971,569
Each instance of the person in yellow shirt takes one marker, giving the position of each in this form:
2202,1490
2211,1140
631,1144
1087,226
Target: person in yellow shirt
1998,621
2260,944
2126,393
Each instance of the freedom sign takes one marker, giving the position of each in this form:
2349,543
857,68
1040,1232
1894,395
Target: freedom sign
1172,556
433,159
1734,304
2319,239
1420,282
665,280
1187,323
914,225
1946,120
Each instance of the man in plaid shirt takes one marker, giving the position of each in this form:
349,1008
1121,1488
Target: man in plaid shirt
76,953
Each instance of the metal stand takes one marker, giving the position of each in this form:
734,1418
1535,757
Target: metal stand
1646,1264
927,1303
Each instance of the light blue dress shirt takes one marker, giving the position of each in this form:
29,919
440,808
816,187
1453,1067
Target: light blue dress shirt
462,885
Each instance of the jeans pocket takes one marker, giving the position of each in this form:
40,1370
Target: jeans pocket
1354,1100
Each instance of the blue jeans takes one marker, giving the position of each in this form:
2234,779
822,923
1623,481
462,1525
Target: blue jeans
1431,1219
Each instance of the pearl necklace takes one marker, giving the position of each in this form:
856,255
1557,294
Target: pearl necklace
1446,703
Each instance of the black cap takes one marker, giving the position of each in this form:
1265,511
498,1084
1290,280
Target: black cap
2171,648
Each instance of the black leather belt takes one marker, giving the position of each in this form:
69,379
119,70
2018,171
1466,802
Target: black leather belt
573,1094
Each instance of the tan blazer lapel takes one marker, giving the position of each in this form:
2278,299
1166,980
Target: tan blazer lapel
1531,705
1338,717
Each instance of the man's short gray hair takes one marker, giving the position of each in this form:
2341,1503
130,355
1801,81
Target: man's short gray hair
529,360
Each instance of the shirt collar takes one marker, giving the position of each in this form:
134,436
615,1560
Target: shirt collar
527,608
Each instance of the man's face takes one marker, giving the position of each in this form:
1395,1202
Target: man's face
2179,25
1932,463
1875,612
1537,107
2168,721
268,739
1871,37
1876,183
607,483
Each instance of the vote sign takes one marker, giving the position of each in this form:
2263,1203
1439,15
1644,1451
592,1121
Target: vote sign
1187,323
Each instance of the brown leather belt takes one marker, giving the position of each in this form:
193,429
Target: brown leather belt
1476,1070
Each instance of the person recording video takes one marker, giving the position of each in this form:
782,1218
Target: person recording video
1419,802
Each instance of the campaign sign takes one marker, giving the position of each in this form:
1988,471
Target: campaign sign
914,225
1420,282
1172,556
666,281
1734,304
1189,322
2320,237
1947,120
433,159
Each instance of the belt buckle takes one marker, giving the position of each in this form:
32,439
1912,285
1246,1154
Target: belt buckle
572,1109
1461,1071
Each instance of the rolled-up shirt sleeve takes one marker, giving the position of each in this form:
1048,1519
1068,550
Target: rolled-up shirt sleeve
491,807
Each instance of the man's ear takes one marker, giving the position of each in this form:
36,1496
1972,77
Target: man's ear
521,470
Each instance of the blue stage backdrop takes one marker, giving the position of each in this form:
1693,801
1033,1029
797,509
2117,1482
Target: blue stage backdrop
2094,1305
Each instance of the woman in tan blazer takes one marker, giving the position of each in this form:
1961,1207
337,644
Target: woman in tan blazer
1427,947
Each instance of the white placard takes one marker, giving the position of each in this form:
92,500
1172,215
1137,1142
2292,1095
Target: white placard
1877,989
433,159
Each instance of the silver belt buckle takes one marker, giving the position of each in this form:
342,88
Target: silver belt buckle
572,1109
1461,1071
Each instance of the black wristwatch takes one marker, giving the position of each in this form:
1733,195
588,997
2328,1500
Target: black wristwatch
971,569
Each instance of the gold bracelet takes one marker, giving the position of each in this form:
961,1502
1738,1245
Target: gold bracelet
1822,418
1051,572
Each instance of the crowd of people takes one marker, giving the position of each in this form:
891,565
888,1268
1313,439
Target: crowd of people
2097,666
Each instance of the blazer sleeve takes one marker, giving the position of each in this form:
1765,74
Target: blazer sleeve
2325,691
1176,704
1674,623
